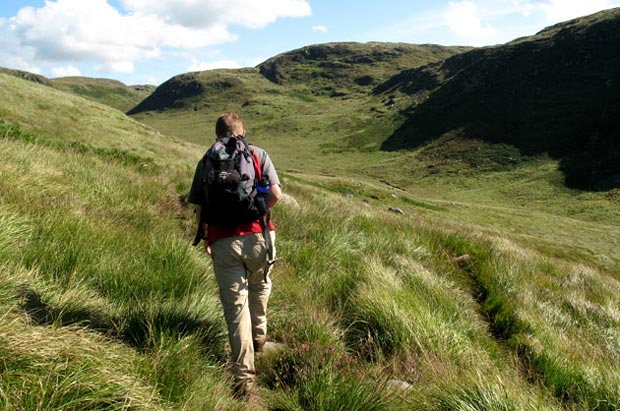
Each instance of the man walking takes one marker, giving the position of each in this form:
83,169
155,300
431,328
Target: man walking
242,251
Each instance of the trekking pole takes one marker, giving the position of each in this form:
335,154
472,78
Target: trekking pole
271,260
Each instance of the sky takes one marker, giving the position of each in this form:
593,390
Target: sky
150,41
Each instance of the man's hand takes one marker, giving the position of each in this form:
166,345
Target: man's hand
205,232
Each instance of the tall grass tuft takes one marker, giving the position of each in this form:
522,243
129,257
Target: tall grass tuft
478,397
323,378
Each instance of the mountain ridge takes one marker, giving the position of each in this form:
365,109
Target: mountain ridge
329,69
555,93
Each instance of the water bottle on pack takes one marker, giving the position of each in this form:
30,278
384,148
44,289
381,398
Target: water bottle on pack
262,195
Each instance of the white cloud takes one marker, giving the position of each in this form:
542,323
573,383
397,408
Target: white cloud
152,80
464,19
202,66
93,31
524,8
479,22
562,10
321,29
66,71
12,57
211,13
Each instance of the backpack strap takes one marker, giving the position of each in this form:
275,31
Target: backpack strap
257,164
266,218
255,160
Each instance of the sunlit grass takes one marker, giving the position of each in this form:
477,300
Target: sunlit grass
107,306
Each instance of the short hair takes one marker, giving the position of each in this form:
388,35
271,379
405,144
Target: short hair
229,125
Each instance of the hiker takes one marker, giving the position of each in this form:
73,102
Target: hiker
241,242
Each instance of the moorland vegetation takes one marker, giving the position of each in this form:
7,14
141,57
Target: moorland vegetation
495,287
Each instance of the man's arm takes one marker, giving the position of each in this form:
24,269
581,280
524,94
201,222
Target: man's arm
205,227
199,220
198,211
275,194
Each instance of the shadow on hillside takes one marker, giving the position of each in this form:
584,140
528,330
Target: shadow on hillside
556,94
138,328
43,313
588,159
141,329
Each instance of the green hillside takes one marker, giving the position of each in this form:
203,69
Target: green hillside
110,92
555,93
333,69
476,126
406,279
342,69
106,306
306,111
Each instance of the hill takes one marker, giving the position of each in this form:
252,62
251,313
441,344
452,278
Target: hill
555,93
333,70
110,92
303,112
450,305
451,111
339,69
192,91
408,278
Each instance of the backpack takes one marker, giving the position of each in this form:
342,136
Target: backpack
235,190
231,175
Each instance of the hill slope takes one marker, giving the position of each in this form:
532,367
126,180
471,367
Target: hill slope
304,118
333,70
110,92
557,92
338,69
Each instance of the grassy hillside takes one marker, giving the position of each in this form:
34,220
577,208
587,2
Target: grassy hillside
301,130
537,103
341,69
458,142
555,93
453,305
110,92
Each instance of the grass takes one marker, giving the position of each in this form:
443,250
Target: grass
88,261
109,92
106,305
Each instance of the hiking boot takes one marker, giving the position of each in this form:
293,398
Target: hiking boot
243,389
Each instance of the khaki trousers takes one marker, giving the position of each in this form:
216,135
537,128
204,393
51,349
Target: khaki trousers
238,263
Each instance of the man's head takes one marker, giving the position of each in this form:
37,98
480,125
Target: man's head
229,125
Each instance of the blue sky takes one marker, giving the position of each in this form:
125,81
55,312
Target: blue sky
149,41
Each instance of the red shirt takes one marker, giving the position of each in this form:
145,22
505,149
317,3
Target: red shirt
215,233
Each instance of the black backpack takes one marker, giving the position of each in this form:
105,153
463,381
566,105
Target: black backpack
231,175
235,190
